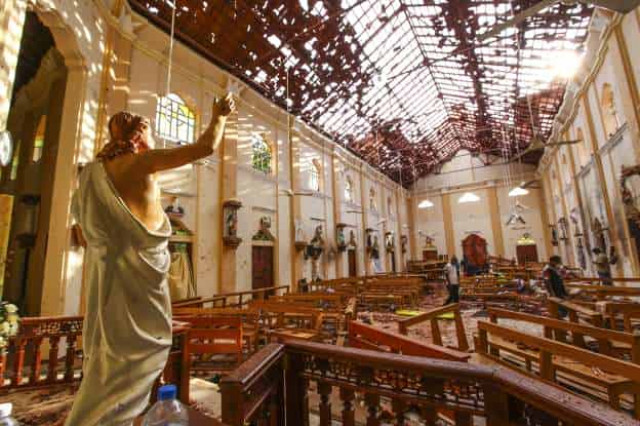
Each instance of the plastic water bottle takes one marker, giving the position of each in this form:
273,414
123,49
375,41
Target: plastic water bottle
167,411
5,415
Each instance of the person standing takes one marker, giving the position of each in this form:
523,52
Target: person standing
554,279
127,326
452,275
603,266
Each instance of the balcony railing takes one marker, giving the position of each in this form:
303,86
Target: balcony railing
283,384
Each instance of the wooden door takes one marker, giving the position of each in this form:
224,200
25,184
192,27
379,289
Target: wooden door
527,253
393,261
353,270
474,248
262,267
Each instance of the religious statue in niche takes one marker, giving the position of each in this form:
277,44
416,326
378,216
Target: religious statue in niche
352,239
404,240
300,242
230,229
598,234
375,248
554,235
389,242
369,232
314,250
341,241
428,242
316,246
264,232
631,212
576,224
562,229
582,260
174,209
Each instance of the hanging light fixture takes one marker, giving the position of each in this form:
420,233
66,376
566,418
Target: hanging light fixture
518,191
425,204
468,197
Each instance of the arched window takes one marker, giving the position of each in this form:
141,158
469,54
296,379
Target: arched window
260,154
372,200
348,189
174,120
609,113
314,176
389,206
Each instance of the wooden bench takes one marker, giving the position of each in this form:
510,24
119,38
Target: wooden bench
609,342
432,316
364,336
215,343
235,299
575,312
599,376
251,328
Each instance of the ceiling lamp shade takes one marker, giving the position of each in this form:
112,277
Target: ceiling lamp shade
468,197
425,204
518,191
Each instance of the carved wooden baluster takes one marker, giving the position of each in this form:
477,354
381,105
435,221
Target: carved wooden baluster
54,342
275,417
3,366
19,361
348,413
71,352
324,389
36,362
373,408
399,407
435,388
429,414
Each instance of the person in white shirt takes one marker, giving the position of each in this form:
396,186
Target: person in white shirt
452,275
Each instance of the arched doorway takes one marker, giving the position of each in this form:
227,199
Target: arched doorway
34,121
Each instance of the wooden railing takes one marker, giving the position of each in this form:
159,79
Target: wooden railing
235,299
433,317
273,387
46,352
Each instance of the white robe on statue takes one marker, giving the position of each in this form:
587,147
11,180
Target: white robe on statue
127,325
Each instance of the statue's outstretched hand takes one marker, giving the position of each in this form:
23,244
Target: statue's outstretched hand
223,107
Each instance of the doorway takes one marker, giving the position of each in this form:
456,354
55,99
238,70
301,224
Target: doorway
34,121
262,267
353,266
393,261
527,254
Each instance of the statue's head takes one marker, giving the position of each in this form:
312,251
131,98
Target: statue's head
128,134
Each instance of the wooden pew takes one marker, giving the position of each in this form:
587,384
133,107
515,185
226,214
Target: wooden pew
432,316
235,299
251,328
364,336
599,376
576,312
621,315
285,319
215,343
609,342
603,292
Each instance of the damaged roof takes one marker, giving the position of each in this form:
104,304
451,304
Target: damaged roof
405,84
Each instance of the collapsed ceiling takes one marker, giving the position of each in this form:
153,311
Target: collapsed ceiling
405,84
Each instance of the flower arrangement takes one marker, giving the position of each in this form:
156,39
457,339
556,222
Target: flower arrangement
9,323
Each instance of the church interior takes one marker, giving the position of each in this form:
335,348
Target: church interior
420,212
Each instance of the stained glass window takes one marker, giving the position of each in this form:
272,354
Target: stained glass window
174,120
261,154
